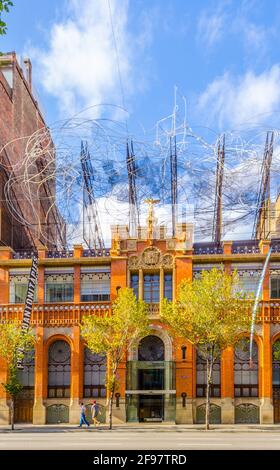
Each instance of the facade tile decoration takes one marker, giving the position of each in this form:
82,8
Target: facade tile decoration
245,247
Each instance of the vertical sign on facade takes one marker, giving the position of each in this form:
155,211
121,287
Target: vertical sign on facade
28,303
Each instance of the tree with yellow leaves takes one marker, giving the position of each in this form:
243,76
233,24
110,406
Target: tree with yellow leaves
113,333
14,343
210,312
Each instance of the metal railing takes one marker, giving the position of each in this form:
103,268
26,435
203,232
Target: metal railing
60,254
245,247
207,248
91,253
24,254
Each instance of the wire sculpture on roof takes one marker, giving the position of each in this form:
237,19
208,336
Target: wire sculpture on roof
120,184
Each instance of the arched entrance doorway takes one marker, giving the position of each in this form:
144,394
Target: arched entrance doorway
150,381
151,378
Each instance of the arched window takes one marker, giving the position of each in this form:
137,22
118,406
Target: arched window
59,368
151,348
245,377
94,374
201,375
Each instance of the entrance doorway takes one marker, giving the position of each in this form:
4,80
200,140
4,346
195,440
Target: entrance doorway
24,407
151,408
150,384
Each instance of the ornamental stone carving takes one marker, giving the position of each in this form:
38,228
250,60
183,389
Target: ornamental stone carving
133,262
167,261
150,258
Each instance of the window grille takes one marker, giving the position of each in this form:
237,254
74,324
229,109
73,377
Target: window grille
151,288
94,374
245,377
95,287
201,376
59,369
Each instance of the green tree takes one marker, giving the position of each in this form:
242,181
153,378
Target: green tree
113,333
210,312
4,8
13,345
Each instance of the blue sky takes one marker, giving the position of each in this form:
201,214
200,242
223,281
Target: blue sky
161,43
223,56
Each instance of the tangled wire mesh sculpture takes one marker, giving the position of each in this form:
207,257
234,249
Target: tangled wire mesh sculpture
48,178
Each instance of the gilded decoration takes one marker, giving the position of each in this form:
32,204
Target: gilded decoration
150,258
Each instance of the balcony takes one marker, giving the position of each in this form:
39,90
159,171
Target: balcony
63,314
270,311
54,314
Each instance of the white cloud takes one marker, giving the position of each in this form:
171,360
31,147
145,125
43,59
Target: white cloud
79,66
222,23
255,35
210,27
249,99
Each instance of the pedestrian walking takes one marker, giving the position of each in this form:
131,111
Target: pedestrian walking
83,419
95,412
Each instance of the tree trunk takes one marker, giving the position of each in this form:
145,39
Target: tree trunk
112,396
12,406
111,409
209,363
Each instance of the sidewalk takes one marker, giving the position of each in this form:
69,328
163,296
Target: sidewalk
139,427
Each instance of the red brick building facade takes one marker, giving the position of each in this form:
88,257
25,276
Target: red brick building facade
161,378
20,117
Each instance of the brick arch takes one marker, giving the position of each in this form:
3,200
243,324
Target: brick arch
58,337
274,338
156,330
257,338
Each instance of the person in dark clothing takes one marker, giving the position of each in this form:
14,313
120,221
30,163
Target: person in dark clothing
95,412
